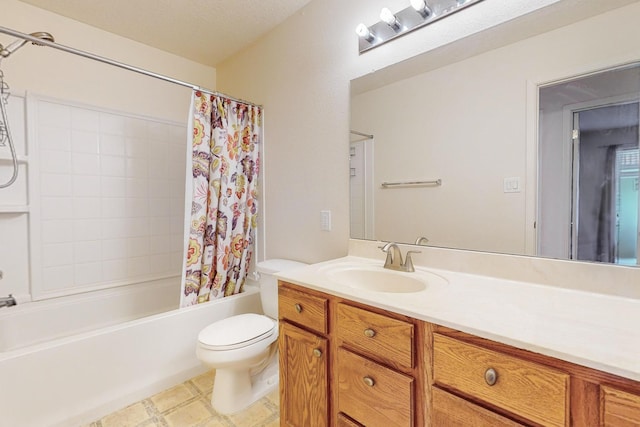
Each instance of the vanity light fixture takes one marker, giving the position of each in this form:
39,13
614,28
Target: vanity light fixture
417,15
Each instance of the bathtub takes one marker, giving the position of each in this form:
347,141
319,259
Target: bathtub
57,369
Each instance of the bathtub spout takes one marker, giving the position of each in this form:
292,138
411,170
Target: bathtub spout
7,301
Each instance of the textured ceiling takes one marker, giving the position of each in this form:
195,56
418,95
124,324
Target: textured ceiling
205,31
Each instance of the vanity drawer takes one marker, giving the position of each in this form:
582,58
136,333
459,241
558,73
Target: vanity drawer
372,394
619,408
303,308
379,337
529,390
453,411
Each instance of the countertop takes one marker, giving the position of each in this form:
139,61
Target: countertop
590,329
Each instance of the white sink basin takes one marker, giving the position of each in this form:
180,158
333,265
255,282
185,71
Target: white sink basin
378,279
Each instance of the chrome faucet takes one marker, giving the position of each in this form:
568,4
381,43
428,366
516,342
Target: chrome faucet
7,301
422,241
394,258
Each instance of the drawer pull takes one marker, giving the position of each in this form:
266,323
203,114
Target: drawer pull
317,352
369,381
491,376
298,308
369,333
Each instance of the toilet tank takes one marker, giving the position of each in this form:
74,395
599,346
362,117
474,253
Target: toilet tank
269,284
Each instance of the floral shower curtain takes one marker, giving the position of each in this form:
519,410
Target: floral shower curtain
225,166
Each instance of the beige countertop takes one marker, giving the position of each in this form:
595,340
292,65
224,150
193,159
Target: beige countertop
587,328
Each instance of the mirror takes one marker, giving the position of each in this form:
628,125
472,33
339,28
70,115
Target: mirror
481,154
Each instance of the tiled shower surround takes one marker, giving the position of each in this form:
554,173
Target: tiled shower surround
107,197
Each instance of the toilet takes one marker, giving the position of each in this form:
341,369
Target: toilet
243,348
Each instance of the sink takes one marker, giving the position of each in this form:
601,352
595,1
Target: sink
378,279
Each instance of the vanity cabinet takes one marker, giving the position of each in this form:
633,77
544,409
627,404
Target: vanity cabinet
345,364
375,373
304,359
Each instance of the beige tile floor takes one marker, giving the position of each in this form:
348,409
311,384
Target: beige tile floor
188,405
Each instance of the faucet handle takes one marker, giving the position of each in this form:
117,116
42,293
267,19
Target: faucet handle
408,261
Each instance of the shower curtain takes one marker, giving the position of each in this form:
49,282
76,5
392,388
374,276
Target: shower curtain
223,218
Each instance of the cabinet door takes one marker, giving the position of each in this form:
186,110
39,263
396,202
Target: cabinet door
452,411
619,409
304,364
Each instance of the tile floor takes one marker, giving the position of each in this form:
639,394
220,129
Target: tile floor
188,405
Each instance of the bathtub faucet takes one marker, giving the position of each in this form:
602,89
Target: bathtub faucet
7,301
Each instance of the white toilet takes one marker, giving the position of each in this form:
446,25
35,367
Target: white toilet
243,348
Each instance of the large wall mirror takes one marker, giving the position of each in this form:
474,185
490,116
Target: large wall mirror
529,149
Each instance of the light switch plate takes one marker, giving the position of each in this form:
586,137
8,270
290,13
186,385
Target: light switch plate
512,185
325,220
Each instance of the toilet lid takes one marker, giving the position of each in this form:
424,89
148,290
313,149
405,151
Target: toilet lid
236,331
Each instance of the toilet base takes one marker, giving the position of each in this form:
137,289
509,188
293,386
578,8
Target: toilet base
234,391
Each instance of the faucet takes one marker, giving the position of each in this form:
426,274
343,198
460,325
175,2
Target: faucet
422,241
7,301
394,258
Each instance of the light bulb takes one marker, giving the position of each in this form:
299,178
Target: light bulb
363,31
389,18
421,7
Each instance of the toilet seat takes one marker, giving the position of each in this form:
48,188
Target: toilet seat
236,332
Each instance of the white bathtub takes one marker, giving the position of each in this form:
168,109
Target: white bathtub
83,374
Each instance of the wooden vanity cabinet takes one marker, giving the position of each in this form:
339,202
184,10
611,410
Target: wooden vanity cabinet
374,369
304,359
345,364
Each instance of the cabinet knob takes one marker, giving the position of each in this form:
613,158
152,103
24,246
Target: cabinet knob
491,376
298,308
370,333
369,381
317,352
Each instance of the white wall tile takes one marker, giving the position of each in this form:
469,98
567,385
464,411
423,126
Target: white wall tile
85,142
138,266
160,207
55,161
113,187
85,119
137,247
112,166
55,185
135,127
158,131
136,187
112,124
57,278
89,251
137,167
87,207
115,228
136,147
53,114
114,207
158,168
160,264
57,231
113,270
137,207
114,249
54,138
87,229
112,145
160,244
138,227
85,164
57,254
86,186
177,243
159,225
88,273
158,188
57,208
179,135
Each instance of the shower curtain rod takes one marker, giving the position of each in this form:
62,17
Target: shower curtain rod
104,60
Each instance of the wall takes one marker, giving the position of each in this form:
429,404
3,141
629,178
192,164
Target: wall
48,72
301,73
